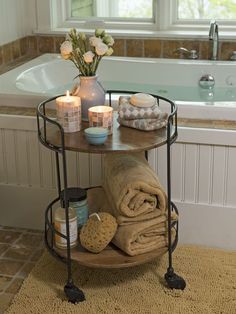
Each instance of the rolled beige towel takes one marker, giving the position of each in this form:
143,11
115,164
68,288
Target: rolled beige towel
132,187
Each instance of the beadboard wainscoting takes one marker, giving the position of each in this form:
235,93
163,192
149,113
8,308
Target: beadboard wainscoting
203,179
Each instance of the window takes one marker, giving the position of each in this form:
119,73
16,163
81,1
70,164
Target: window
173,18
110,14
206,9
115,9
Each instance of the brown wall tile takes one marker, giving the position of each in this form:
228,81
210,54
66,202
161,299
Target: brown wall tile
23,46
152,48
32,45
7,53
155,48
119,47
1,56
46,44
57,43
204,50
15,46
169,48
226,50
134,47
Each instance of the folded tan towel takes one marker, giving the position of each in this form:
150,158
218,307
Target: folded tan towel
132,187
133,238
142,237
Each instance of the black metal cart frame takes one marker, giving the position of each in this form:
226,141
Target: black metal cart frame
73,293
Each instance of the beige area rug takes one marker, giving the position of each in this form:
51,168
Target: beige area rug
210,275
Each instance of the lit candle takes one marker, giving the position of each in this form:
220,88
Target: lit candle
69,112
101,116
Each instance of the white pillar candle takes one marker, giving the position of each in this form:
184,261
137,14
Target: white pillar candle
69,112
101,116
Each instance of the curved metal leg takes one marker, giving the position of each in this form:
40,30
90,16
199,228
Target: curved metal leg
73,293
173,280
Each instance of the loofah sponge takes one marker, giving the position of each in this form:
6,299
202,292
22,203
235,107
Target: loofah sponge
98,232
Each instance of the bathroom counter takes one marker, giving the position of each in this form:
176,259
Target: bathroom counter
191,123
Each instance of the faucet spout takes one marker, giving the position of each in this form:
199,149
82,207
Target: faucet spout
214,38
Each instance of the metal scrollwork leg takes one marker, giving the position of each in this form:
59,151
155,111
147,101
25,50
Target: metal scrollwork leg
173,280
73,293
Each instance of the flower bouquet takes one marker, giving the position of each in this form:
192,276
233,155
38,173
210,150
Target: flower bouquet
86,54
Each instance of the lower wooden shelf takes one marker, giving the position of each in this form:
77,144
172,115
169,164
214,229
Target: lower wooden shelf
110,257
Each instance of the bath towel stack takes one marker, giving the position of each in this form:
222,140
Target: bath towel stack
132,193
134,113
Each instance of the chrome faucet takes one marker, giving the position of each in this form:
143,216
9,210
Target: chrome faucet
192,54
214,38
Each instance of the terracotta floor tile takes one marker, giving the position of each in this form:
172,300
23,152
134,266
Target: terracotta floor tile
10,268
5,300
34,231
18,229
17,246
7,236
32,240
26,270
4,281
3,248
15,285
18,252
36,256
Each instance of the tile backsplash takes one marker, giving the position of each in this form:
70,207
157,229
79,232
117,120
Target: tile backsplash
143,47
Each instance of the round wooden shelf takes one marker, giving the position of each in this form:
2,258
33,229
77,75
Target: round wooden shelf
123,139
110,257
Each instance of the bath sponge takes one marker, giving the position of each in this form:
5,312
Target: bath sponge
98,232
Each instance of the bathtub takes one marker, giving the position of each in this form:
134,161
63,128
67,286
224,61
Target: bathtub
49,75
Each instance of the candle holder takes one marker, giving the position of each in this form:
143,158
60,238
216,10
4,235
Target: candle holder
101,116
69,113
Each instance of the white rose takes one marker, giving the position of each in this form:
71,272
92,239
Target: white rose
88,56
94,41
101,49
66,49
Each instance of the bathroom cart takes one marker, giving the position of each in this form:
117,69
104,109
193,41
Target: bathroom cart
123,140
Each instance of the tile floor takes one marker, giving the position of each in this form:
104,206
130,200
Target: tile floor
20,249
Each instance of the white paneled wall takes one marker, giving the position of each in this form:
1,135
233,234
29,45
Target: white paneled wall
203,165
201,173
17,19
25,162
203,168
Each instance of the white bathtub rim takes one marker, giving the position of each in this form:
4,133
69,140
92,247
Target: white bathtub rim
203,110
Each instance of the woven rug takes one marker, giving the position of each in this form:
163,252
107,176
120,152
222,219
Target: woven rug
210,275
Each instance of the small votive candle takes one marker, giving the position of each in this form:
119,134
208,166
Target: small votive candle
69,112
101,116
